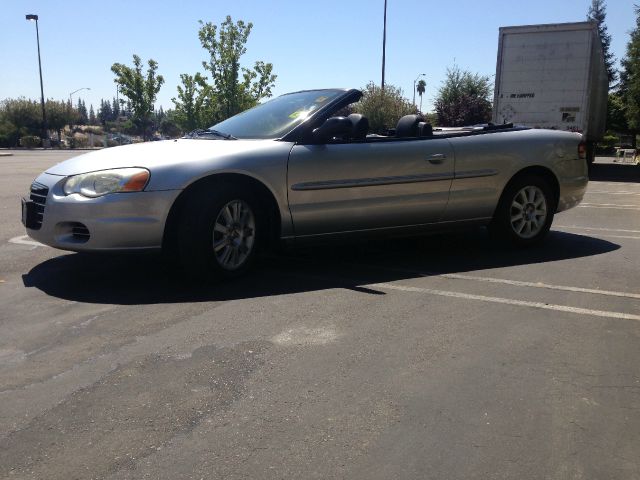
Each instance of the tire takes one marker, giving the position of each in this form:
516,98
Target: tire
219,232
525,211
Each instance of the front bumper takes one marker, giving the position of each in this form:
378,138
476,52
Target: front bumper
113,222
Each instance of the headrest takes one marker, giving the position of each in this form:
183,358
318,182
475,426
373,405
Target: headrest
360,126
425,129
408,126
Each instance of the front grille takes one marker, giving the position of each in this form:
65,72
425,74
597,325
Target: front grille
38,196
80,232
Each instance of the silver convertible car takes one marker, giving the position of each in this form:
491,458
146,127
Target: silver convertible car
299,167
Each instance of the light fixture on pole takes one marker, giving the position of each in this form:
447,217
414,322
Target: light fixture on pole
71,102
76,91
45,130
414,87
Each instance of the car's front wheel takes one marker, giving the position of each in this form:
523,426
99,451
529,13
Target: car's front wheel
525,211
219,232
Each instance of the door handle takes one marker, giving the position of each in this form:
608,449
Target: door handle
436,158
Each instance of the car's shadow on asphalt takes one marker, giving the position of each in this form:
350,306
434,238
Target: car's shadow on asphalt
144,279
614,172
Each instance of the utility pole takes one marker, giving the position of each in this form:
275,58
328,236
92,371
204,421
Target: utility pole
45,130
71,103
384,42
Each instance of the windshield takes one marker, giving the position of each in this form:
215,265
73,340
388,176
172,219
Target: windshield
275,118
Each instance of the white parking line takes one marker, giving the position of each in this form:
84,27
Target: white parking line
577,227
629,237
24,240
606,230
507,301
610,205
613,193
518,283
615,184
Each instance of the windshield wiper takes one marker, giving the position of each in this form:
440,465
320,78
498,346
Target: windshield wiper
198,132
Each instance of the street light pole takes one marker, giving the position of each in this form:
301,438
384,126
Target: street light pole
414,87
45,130
384,42
76,91
71,103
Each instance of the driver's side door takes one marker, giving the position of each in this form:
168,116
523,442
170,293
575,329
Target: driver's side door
368,185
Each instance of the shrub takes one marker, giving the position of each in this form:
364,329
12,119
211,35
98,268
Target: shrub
92,129
383,108
30,141
9,134
463,99
78,140
607,144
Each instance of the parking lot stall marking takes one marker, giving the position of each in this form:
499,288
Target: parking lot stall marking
587,204
24,240
612,193
606,231
547,286
507,301
516,283
609,205
614,184
620,236
578,227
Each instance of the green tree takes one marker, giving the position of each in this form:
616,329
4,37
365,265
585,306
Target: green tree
9,133
259,81
141,91
598,13
168,126
463,99
82,115
383,108
19,117
616,120
105,113
431,118
115,110
226,45
58,116
630,78
194,103
421,88
92,116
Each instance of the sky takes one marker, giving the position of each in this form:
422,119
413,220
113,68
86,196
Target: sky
331,43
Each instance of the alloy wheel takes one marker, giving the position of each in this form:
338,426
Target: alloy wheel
528,211
234,234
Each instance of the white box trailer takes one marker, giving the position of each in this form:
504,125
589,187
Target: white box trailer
552,76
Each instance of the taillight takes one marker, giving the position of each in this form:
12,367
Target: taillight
582,151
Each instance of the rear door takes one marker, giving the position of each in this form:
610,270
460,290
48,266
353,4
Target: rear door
368,185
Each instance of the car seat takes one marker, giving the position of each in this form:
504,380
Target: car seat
408,126
360,126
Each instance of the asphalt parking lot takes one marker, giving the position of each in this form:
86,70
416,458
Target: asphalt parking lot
443,357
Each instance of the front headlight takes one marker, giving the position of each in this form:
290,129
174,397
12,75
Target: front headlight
96,184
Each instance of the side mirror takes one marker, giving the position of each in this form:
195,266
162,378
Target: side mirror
332,127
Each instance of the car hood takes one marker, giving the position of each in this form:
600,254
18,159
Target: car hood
157,154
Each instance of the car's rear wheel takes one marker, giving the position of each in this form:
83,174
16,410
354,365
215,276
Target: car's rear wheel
219,232
525,211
